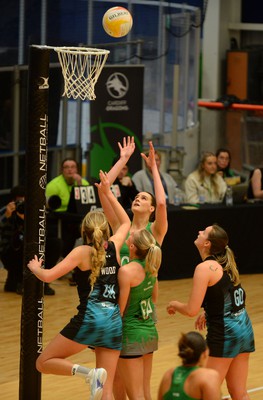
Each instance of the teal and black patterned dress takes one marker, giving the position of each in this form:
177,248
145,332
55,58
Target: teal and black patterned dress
229,329
98,322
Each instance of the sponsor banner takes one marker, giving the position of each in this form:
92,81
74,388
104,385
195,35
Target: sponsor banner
116,112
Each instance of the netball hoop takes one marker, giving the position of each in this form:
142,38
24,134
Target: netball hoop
81,68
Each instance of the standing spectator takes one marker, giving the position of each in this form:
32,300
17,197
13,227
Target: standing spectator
12,240
98,322
12,243
191,380
205,185
144,182
217,288
137,280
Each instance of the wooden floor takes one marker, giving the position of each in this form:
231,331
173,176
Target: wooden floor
59,308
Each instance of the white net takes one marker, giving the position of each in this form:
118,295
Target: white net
81,67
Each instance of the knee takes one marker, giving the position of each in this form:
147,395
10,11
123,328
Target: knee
237,393
40,364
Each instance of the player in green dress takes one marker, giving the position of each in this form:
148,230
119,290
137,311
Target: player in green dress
137,281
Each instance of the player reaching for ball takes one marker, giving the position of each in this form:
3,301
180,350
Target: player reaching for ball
98,322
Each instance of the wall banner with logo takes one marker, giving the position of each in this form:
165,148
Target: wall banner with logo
116,112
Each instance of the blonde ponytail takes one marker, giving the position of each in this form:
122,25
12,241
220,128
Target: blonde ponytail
147,249
95,230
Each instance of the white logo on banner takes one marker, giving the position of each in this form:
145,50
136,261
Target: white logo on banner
117,85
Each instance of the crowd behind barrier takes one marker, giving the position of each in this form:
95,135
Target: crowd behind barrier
243,222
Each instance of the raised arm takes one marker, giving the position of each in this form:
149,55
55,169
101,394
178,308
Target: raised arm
108,210
110,204
126,150
160,225
73,259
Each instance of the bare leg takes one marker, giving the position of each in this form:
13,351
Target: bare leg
147,373
53,359
107,358
236,377
133,377
235,371
118,386
221,365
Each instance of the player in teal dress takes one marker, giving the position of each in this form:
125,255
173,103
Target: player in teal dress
216,287
192,380
98,322
140,338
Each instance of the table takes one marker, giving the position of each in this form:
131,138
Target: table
243,223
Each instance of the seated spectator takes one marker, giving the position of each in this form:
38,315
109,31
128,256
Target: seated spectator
205,185
144,181
12,242
223,167
255,186
127,187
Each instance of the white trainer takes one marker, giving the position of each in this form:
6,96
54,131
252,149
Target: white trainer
96,379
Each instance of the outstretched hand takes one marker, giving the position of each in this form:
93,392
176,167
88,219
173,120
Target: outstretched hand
34,264
104,185
127,148
200,323
150,160
171,308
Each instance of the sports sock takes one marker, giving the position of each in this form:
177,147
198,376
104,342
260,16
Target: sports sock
80,371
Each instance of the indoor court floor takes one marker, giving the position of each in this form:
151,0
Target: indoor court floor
59,308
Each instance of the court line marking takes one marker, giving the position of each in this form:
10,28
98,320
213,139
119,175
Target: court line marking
249,391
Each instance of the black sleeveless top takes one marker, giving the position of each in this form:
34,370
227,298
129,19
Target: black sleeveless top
107,278
223,297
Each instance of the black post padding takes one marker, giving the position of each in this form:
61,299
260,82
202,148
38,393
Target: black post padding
35,221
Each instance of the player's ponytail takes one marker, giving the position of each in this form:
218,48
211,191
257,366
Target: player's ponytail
95,230
147,249
222,253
